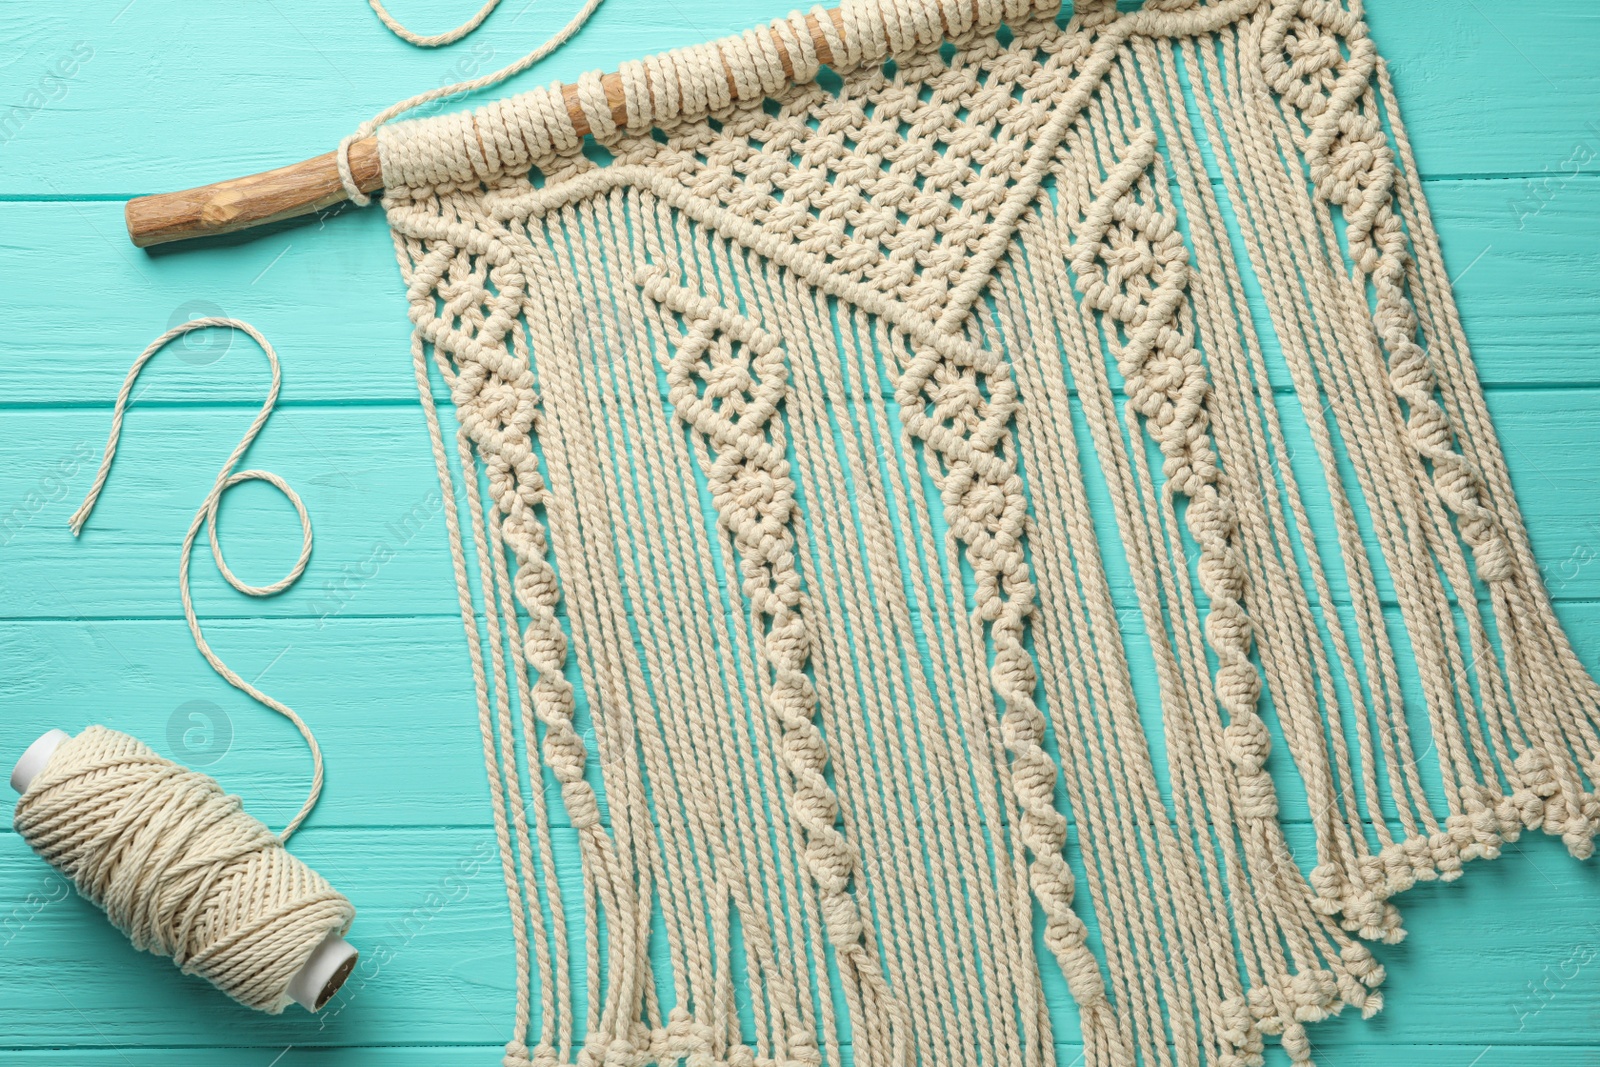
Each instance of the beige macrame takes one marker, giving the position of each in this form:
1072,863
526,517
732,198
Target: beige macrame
786,427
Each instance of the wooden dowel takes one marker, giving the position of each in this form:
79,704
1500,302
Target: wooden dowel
241,203
313,185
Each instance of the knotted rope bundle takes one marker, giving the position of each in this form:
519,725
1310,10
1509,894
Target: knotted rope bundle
180,867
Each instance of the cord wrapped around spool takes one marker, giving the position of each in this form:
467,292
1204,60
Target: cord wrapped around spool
179,866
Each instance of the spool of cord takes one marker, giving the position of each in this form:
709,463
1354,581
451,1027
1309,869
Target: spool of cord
175,862
179,866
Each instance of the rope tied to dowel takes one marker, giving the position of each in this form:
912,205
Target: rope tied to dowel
366,129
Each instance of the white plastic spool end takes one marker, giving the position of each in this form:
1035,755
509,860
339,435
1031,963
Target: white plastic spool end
34,760
330,964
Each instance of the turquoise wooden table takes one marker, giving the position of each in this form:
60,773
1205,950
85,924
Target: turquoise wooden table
106,99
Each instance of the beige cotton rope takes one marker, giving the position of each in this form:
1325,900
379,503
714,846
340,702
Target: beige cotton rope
179,867
174,861
852,464
206,516
366,129
434,40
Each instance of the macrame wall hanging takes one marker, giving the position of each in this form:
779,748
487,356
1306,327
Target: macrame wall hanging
820,395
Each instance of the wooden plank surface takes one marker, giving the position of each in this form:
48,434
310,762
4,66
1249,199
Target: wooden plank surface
367,477
1502,968
1529,291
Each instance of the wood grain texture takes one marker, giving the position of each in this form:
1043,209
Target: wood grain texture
1413,1055
1529,292
1501,969
367,477
288,192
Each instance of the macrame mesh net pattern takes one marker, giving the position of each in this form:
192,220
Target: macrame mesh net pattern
993,479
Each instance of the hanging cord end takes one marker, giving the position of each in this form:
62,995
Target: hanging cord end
76,520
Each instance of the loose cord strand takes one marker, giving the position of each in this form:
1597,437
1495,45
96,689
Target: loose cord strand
432,40
206,516
366,129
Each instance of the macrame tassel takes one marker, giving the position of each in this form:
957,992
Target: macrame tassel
755,501
985,508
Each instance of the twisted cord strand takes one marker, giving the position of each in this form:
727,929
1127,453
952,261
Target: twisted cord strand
206,516
433,40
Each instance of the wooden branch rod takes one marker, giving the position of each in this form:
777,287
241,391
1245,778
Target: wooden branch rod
314,185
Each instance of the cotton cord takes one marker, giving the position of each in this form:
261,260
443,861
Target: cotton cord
206,516
775,431
342,155
179,867
422,40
